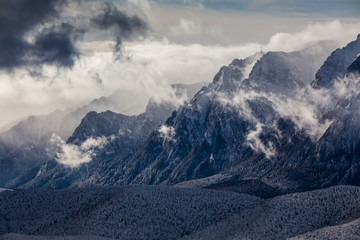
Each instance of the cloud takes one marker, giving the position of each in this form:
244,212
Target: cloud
187,27
337,8
72,155
166,132
143,5
330,30
53,45
123,26
146,69
305,109
254,141
234,27
47,32
197,3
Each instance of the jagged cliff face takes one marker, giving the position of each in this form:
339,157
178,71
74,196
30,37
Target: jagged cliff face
263,117
336,65
202,137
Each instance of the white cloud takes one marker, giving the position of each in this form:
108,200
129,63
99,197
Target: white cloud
304,110
147,70
187,26
254,141
190,28
331,30
72,155
143,4
167,132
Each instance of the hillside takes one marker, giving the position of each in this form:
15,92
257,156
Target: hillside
158,212
131,212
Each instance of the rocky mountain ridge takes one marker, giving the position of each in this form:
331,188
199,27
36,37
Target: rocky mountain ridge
28,147
260,119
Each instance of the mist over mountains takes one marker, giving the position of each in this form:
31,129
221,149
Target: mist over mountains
271,129
30,143
265,117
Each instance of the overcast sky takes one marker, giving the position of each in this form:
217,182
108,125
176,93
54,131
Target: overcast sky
58,54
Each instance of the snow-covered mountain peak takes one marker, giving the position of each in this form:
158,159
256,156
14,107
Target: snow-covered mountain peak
230,77
284,73
336,64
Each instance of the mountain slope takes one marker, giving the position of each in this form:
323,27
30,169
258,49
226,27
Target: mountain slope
286,216
337,63
158,212
350,231
131,212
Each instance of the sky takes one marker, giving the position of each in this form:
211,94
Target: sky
60,54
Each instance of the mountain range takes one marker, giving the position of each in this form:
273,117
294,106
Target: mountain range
27,146
262,150
270,117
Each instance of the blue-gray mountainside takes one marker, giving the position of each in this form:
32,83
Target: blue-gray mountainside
26,147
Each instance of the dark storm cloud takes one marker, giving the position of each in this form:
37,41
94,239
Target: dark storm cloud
35,32
125,27
53,45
